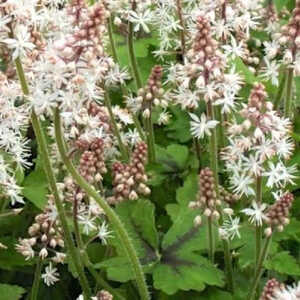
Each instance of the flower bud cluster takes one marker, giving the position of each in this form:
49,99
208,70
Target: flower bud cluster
129,180
207,197
87,36
227,197
152,93
291,33
45,233
92,163
269,290
277,214
204,54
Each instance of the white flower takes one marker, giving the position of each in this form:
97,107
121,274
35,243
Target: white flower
256,213
230,228
271,71
20,43
50,276
287,293
103,233
140,19
200,128
88,222
164,118
234,49
242,184
279,175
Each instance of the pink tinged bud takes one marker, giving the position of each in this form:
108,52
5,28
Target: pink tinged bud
43,253
117,21
60,45
288,57
120,187
130,181
44,238
193,205
146,113
98,177
200,82
156,101
53,243
207,212
133,195
268,232
197,221
228,211
280,228
216,215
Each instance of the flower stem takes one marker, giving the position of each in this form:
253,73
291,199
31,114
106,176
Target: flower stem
258,231
42,143
220,129
122,147
97,276
228,265
289,89
150,137
182,30
111,215
280,93
132,57
123,88
211,242
36,281
259,268
213,147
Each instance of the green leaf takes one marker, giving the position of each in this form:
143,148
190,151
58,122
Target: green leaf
10,258
138,217
35,186
179,126
181,268
280,4
242,69
11,292
283,263
179,153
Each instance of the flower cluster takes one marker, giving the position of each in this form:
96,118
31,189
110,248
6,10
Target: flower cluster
262,136
270,288
207,198
45,236
277,214
129,179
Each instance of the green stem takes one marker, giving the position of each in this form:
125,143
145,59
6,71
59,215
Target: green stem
228,265
36,281
182,24
42,143
258,231
289,89
151,138
259,269
280,93
220,128
98,278
213,147
132,57
111,215
122,147
123,88
211,242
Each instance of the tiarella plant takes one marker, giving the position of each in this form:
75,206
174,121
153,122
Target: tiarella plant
149,149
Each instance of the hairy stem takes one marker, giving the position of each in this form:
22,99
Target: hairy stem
132,57
228,265
258,231
289,93
36,281
280,93
259,268
213,147
182,24
211,241
42,143
123,88
122,147
111,215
